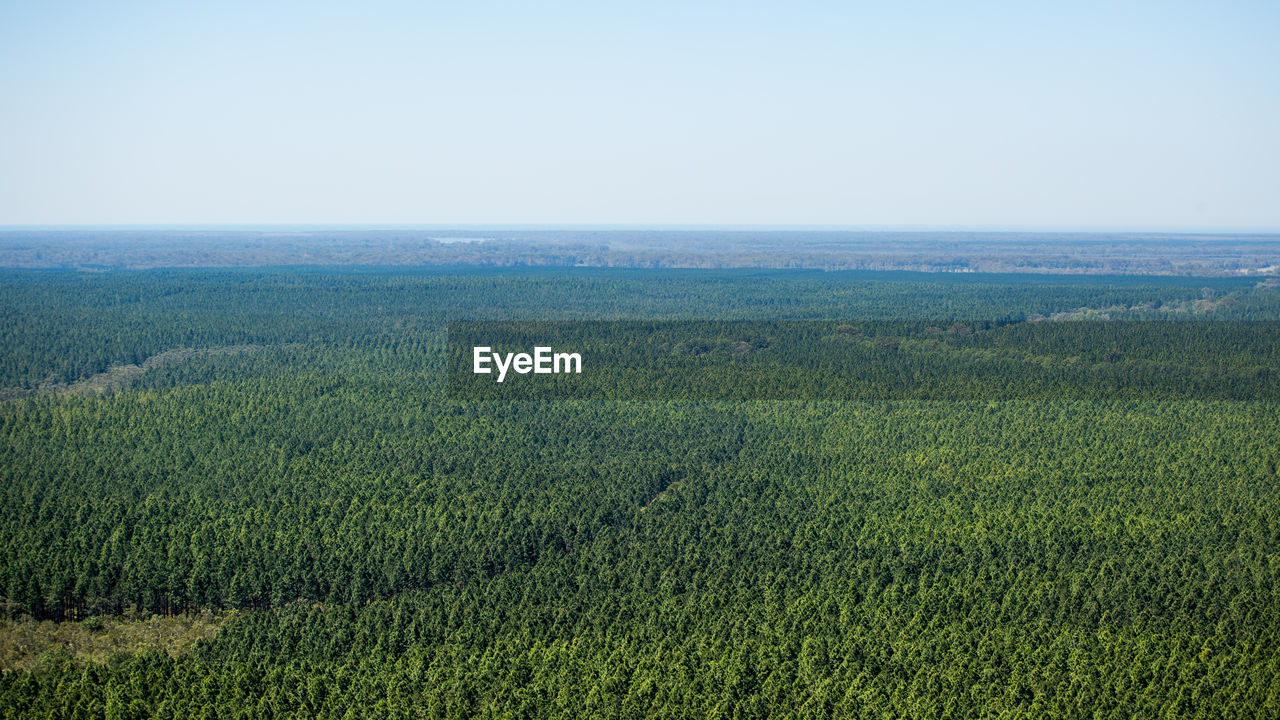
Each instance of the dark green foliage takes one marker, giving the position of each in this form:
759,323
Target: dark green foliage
62,326
879,360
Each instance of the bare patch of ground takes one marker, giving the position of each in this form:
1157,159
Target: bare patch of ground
662,494
1204,306
24,642
119,376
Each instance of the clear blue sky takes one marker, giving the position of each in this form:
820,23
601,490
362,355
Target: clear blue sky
1043,114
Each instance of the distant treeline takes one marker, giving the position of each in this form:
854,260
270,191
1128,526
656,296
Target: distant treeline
987,252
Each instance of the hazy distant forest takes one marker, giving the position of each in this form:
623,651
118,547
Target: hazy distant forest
256,492
987,252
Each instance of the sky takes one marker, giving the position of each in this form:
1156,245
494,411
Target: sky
1053,115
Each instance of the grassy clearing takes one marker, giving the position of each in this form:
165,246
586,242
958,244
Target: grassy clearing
24,642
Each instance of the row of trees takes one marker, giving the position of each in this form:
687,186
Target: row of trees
923,360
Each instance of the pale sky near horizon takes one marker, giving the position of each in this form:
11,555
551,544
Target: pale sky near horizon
1034,114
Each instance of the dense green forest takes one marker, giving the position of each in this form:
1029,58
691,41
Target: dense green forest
60,326
878,360
910,496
